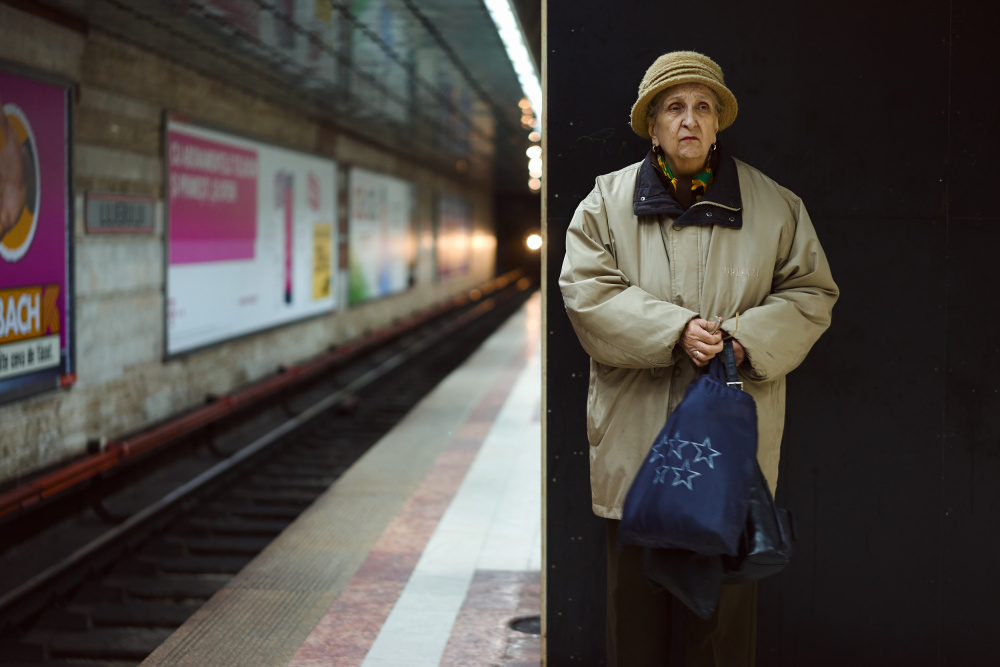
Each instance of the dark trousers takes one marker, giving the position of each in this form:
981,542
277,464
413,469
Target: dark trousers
644,625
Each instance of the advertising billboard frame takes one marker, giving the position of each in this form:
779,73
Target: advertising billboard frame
169,115
62,376
353,250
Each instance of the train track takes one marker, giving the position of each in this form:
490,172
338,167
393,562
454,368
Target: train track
117,596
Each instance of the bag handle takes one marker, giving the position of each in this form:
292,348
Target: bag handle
729,357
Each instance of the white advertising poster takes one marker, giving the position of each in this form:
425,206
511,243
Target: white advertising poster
381,237
250,236
453,245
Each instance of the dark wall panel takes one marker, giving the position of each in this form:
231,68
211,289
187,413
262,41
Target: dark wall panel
974,98
861,462
575,563
881,118
971,457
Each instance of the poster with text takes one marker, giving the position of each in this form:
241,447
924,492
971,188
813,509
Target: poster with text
35,291
250,236
381,238
453,245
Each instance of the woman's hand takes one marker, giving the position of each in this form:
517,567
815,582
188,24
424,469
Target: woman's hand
739,352
700,343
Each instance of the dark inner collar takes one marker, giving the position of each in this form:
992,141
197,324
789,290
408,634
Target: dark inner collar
721,205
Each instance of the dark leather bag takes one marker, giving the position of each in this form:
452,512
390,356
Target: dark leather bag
768,541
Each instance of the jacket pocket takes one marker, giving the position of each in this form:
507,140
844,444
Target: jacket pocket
607,384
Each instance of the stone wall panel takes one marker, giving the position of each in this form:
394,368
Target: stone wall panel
122,95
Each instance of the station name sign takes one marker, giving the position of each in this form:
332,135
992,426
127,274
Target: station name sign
120,214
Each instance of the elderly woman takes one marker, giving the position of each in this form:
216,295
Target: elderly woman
654,254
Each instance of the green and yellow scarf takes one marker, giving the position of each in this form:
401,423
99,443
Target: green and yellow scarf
699,183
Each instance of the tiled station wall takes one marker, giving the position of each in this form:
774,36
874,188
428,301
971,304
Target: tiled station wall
123,381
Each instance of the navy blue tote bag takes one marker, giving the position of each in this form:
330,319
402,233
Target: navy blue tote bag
693,489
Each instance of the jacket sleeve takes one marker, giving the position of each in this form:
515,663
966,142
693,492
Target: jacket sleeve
617,323
779,332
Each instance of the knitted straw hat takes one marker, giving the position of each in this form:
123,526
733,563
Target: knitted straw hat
675,68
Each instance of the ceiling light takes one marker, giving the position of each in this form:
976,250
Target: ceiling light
513,41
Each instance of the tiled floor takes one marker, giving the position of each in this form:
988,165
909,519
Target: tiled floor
462,557
482,635
420,554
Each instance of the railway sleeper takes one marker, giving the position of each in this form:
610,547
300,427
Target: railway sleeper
180,545
313,483
274,497
252,511
70,619
207,526
138,613
103,643
288,469
174,587
209,564
96,592
138,566
312,462
283,495
22,653
226,545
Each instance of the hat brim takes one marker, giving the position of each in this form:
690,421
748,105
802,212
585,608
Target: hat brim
640,123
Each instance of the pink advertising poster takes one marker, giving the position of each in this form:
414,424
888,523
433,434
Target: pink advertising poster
213,199
35,294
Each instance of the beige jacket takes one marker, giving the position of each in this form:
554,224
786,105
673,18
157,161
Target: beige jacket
631,284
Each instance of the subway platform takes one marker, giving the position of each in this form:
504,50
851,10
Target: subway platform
424,552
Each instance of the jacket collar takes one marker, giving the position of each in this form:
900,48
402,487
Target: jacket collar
722,204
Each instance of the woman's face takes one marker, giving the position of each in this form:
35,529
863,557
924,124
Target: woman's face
684,126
